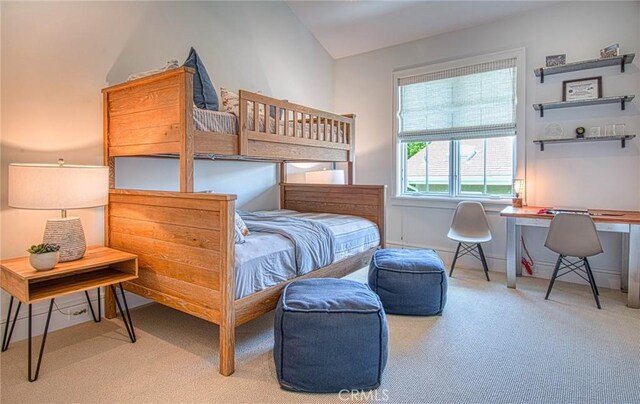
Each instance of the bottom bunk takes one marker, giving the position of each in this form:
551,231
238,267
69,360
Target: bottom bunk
188,259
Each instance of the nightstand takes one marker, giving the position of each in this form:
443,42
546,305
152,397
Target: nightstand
100,267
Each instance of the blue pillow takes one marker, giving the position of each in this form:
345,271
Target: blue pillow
272,112
204,94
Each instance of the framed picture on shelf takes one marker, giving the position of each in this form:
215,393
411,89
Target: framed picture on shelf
556,60
582,89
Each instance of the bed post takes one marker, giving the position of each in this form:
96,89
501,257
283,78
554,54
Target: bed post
283,180
351,162
187,146
227,333
109,302
243,148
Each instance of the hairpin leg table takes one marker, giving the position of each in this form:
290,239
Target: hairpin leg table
100,267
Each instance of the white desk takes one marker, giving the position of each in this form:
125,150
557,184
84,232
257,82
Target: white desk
627,223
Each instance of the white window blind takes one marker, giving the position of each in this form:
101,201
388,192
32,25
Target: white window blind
477,101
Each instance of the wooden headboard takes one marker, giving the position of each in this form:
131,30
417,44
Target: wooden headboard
367,201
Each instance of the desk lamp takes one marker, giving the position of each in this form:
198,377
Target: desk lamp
59,187
518,192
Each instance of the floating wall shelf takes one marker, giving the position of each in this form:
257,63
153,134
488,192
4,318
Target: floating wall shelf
621,99
621,138
585,65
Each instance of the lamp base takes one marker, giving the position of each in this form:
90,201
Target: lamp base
516,202
68,233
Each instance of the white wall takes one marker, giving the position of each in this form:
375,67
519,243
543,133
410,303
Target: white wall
56,56
596,175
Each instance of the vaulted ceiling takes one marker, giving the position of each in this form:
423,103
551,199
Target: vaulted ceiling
347,28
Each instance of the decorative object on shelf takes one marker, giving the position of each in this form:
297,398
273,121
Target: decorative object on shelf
556,60
553,131
610,51
621,139
44,256
619,129
324,177
518,192
621,61
582,89
594,131
580,132
59,187
608,130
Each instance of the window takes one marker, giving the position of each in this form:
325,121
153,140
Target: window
456,129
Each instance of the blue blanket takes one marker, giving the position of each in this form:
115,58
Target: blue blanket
314,242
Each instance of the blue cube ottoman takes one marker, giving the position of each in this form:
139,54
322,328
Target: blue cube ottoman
330,335
410,282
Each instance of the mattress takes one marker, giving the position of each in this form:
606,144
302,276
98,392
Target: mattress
265,260
262,261
226,122
215,121
353,234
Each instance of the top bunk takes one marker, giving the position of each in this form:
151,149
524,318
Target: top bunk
155,116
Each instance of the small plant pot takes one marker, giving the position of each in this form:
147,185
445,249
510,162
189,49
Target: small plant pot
44,262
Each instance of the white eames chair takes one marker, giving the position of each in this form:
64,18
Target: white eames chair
470,228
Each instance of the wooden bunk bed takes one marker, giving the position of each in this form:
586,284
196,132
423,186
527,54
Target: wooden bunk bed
154,116
185,240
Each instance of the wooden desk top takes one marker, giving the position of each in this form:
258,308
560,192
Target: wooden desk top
598,215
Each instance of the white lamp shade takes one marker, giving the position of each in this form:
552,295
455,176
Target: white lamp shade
324,177
52,186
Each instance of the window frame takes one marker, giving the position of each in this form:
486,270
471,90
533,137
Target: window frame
519,157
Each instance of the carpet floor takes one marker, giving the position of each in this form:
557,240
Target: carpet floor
491,345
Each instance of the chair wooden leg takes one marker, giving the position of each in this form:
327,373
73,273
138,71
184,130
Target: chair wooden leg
592,282
484,262
455,258
553,277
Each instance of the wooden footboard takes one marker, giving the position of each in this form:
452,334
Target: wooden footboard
366,201
185,247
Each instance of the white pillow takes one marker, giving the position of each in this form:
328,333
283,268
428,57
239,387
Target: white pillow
241,230
172,64
231,103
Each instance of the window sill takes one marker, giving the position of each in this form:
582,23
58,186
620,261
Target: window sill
490,204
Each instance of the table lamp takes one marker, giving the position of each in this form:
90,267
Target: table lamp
324,177
518,192
59,187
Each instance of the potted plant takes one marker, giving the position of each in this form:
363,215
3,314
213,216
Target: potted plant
44,256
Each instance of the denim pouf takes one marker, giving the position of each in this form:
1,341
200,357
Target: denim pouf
411,282
330,335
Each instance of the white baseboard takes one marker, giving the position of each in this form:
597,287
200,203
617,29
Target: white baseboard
604,277
76,304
